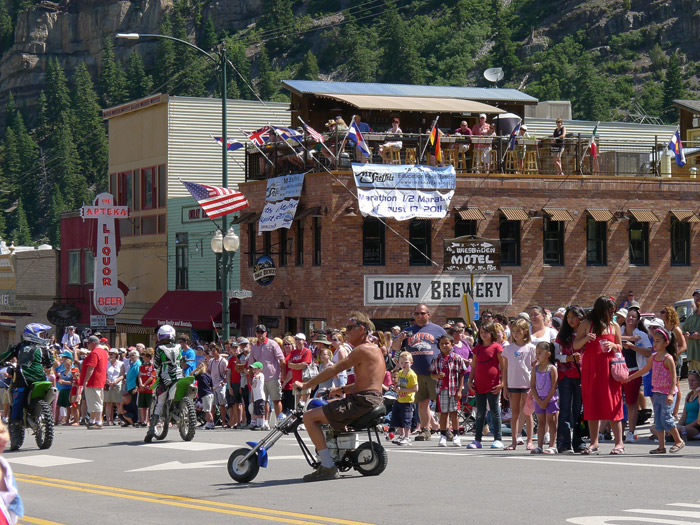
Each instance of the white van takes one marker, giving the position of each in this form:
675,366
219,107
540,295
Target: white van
684,308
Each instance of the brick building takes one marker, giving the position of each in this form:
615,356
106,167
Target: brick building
564,240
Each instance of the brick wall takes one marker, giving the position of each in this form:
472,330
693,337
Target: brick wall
336,287
37,284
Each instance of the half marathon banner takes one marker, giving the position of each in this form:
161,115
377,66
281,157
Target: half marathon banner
403,192
281,201
387,290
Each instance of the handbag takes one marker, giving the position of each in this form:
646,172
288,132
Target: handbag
529,407
618,368
309,372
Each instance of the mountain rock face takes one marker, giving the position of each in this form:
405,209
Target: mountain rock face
75,30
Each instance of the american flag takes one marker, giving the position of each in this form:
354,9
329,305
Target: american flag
314,134
215,200
259,136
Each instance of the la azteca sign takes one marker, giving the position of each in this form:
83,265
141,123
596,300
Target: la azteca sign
107,298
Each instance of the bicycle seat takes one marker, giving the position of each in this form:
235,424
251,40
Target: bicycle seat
370,418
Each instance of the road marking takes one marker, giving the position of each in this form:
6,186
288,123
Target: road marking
611,462
183,501
667,512
177,465
189,446
37,521
611,520
46,461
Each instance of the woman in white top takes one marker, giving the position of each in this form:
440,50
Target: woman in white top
395,145
113,394
340,351
539,331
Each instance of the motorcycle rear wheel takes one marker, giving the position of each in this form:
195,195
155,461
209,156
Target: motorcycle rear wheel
188,419
378,463
16,435
242,471
44,426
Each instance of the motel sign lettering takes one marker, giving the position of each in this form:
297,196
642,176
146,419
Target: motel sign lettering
108,298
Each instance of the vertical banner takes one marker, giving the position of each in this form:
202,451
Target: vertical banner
281,201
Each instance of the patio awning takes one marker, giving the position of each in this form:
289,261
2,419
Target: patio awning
191,309
641,215
425,104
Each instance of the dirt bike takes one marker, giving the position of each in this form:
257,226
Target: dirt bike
349,449
179,409
36,416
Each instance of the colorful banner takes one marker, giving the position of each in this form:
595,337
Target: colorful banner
281,201
404,176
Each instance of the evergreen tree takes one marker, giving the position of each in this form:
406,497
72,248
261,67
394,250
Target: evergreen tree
308,69
21,234
280,22
65,169
673,89
112,79
58,206
89,129
400,59
6,28
166,57
208,38
504,52
57,94
193,70
235,51
140,84
267,83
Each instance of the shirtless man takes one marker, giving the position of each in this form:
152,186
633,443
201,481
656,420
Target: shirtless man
361,396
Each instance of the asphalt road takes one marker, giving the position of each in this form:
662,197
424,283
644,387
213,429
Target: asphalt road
111,476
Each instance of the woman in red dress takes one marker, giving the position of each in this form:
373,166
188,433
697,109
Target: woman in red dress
599,336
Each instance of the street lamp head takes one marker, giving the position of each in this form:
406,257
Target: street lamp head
231,241
128,36
217,242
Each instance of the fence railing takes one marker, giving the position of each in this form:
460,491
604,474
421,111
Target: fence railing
476,154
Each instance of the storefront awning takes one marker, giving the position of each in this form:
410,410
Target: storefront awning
189,309
600,215
424,104
470,214
643,215
558,214
685,215
515,214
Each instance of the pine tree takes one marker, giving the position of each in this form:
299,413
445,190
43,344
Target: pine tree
58,206
89,130
308,69
140,84
208,38
65,169
400,59
6,27
57,93
235,51
112,79
505,50
267,85
21,234
673,89
166,57
280,18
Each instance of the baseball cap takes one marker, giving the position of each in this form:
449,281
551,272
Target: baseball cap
104,340
622,311
233,342
257,364
482,115
697,291
634,304
524,315
113,351
524,126
561,310
74,370
261,328
656,322
243,341
66,353
300,336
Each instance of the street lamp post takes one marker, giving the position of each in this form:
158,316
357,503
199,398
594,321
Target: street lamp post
220,61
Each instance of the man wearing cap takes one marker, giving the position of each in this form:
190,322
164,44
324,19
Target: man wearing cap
92,381
70,339
298,359
269,353
691,329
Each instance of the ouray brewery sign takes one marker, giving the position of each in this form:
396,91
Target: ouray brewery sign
472,254
387,290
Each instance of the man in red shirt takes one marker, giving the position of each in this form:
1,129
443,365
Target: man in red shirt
93,381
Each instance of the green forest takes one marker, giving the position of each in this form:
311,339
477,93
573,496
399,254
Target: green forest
53,157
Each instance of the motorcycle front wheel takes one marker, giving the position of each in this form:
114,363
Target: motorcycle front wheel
240,470
188,419
44,426
367,465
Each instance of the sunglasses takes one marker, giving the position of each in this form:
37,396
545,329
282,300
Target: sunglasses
395,122
662,312
335,340
259,332
350,327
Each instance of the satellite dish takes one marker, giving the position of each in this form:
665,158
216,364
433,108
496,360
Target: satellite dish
494,74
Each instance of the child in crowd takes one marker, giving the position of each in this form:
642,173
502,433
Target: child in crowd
406,388
448,369
205,393
689,424
258,391
325,357
485,381
543,387
147,381
74,408
519,357
663,380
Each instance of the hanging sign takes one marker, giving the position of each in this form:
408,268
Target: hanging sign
107,298
472,254
281,201
264,270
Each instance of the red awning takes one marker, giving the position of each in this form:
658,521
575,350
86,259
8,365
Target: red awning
189,309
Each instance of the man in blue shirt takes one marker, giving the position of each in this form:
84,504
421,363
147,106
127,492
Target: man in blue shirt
188,355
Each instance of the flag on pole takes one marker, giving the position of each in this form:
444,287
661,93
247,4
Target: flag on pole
676,146
314,134
259,136
288,133
215,200
513,137
355,135
592,145
233,144
434,144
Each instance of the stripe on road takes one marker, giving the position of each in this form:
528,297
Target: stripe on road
183,501
37,521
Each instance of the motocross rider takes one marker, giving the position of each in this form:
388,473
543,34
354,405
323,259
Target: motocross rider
33,359
166,363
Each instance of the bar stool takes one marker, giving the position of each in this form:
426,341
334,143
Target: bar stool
531,160
494,161
448,157
410,155
511,161
461,160
394,156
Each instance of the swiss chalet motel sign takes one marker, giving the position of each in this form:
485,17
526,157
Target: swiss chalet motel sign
107,297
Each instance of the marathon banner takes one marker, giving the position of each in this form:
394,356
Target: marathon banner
387,290
281,201
403,192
